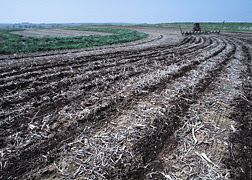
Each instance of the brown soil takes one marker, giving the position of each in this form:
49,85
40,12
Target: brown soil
167,107
240,157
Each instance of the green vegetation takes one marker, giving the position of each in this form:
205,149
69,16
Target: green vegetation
206,26
18,44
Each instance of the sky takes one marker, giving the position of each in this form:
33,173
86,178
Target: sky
124,11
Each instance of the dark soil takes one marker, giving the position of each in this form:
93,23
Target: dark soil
35,92
240,158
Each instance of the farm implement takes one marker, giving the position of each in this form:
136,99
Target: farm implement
197,30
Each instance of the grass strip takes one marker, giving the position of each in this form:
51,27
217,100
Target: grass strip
18,44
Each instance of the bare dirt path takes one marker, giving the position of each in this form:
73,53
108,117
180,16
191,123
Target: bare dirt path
167,107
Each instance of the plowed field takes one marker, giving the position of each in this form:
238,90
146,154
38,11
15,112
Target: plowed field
168,107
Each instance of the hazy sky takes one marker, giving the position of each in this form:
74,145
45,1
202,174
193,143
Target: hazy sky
128,11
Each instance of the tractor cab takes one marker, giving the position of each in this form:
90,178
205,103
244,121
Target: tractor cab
196,27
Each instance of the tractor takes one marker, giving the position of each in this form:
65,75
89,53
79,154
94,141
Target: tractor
196,27
197,30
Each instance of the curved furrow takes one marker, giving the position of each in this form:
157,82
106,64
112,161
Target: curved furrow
239,159
47,79
199,115
83,83
121,168
49,60
106,116
86,59
64,86
122,101
44,63
24,82
56,89
41,65
52,54
150,144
